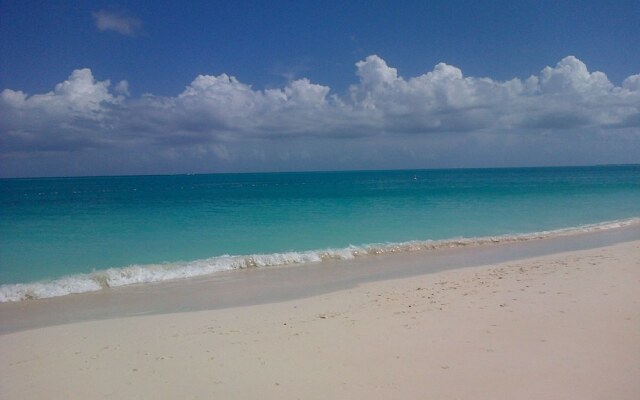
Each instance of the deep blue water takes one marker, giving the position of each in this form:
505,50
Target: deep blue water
56,227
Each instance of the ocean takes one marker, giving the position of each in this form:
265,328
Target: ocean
71,235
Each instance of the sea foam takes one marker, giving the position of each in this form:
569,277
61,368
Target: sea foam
139,274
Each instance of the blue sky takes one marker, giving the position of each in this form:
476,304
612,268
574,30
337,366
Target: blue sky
174,87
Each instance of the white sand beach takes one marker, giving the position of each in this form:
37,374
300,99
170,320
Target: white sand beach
561,326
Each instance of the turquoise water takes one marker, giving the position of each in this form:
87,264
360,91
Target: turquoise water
52,228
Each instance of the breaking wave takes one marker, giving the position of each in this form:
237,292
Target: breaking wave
137,274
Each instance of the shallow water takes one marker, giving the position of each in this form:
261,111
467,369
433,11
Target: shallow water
266,285
106,231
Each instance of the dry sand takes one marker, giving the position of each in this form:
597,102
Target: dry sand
565,326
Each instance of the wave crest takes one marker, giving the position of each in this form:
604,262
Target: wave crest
136,274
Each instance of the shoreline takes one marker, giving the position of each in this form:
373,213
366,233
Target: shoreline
110,278
244,287
560,325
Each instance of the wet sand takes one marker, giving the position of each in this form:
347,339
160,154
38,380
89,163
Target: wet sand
275,284
565,325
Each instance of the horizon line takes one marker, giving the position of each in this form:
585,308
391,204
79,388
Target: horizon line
321,171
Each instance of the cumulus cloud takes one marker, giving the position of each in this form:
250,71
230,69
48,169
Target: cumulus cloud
124,25
78,112
220,118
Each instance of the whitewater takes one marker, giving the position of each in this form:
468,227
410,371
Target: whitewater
137,274
60,236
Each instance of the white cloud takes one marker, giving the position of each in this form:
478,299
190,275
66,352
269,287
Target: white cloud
124,25
221,118
632,83
122,88
78,112
570,75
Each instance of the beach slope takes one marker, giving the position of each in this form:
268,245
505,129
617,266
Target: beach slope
562,326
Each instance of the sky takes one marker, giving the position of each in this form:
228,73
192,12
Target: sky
141,87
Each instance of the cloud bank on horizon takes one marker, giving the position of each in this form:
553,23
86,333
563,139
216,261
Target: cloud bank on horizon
564,115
